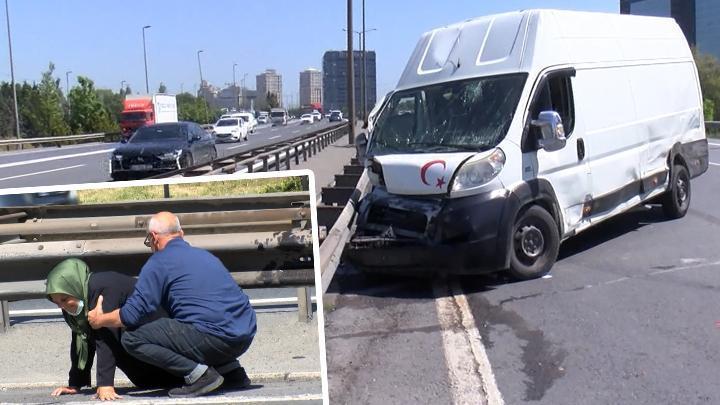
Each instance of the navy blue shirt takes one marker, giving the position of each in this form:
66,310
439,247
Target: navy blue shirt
194,287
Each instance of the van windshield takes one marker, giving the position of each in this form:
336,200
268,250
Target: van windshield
470,114
277,114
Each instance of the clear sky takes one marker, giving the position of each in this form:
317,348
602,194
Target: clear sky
103,39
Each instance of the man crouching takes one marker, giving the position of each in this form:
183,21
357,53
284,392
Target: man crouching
211,320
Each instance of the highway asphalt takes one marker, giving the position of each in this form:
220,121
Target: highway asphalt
627,316
88,163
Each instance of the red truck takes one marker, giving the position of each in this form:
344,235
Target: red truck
144,110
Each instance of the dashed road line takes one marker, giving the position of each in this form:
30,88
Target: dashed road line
42,172
714,164
275,137
471,377
50,159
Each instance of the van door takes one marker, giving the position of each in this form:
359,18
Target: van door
613,144
565,169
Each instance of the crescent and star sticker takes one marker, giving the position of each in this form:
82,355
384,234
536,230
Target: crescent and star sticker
427,166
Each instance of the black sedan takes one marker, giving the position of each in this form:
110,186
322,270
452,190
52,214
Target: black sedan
162,147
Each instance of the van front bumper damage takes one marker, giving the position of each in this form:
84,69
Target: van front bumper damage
416,235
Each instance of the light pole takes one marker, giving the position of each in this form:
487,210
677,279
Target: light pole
364,67
235,89
242,89
12,73
147,85
350,76
207,118
67,82
122,85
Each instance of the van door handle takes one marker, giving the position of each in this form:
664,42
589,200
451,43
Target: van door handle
580,149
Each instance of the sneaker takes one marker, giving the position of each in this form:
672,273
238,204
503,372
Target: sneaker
236,379
209,381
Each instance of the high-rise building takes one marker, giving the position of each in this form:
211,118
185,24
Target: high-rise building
698,19
268,82
310,87
335,80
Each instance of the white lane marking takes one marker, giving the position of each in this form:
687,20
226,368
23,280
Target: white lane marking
50,159
42,172
714,164
296,131
273,130
471,376
713,144
274,137
236,146
226,399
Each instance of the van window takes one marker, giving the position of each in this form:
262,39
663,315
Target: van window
472,114
555,95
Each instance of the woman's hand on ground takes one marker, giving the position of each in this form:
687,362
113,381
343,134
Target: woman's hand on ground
63,390
106,394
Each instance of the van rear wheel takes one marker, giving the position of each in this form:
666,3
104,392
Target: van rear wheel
676,200
534,245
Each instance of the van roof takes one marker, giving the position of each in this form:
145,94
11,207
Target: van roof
528,40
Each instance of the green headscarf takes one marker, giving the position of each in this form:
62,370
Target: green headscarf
71,277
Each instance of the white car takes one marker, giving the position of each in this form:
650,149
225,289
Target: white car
230,130
316,114
263,119
249,120
306,119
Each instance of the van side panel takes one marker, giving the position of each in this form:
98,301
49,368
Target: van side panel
613,145
667,104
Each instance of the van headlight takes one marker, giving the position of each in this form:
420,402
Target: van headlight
478,171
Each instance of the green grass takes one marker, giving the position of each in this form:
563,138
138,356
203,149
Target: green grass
207,189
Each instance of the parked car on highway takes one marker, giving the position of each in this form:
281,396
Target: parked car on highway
162,147
230,130
306,119
335,115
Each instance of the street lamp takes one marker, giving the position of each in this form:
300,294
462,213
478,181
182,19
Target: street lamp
242,89
201,84
12,73
122,84
364,68
147,85
67,82
235,89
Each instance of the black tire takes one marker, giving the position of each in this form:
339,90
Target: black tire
119,176
189,161
676,200
534,244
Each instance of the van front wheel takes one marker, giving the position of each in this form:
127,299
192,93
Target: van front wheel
535,244
676,199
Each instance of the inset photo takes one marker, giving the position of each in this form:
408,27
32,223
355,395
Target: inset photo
158,290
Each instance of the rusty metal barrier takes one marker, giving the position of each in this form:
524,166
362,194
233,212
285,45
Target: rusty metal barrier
264,240
277,156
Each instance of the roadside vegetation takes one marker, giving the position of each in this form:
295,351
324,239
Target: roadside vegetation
226,188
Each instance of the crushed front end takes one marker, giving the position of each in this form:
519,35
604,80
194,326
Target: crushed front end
431,234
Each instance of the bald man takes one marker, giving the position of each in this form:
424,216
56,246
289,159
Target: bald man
211,320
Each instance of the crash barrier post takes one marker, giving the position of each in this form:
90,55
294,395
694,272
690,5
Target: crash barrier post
305,311
264,240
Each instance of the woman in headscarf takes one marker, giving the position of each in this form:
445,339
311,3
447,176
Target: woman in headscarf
73,288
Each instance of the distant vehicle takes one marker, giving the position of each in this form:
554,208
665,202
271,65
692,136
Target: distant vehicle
306,119
278,116
316,114
141,110
249,120
335,115
209,128
162,147
230,130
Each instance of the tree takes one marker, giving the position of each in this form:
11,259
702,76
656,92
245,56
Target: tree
87,113
112,102
49,111
162,88
709,73
272,100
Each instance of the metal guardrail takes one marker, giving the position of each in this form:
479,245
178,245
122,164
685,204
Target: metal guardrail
263,240
275,156
57,139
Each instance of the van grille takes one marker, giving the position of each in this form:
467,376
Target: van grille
399,219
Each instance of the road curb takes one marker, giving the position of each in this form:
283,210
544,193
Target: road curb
257,377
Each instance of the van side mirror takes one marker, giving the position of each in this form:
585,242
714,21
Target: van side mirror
551,129
361,146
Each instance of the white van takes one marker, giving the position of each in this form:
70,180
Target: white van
510,133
